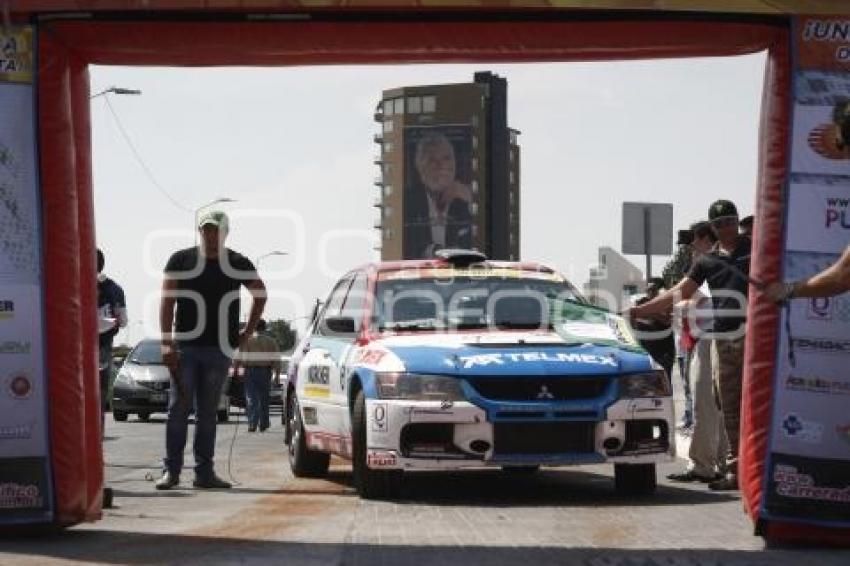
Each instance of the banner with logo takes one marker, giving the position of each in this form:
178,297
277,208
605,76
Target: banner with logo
808,468
25,490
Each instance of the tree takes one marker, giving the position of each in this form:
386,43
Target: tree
677,267
283,333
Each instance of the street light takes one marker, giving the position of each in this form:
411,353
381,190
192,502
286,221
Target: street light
116,90
276,252
200,208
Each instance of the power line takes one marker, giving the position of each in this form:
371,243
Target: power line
145,168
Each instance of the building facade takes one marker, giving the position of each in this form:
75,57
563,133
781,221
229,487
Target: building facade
449,170
614,281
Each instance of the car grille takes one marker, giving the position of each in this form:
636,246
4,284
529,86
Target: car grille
543,438
552,388
156,385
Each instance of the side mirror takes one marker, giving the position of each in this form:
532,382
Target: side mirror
340,325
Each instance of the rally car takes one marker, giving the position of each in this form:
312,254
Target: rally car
459,362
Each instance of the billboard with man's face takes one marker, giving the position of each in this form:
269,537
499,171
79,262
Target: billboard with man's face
439,200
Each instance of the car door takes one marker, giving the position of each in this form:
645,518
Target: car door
352,307
318,369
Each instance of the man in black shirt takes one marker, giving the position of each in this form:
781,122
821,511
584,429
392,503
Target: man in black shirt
198,341
725,268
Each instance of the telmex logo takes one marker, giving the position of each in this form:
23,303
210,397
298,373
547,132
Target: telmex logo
822,345
499,359
7,309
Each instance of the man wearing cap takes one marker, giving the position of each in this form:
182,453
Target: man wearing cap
725,268
199,321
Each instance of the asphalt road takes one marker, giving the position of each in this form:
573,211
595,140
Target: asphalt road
558,516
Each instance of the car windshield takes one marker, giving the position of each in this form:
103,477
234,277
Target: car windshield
146,352
457,299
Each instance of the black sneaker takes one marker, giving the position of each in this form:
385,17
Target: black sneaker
252,429
211,482
728,483
167,481
691,476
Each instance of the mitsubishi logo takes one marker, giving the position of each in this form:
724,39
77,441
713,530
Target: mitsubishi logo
544,394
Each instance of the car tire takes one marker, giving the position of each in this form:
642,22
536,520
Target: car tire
635,479
370,484
144,417
521,470
303,462
223,415
119,415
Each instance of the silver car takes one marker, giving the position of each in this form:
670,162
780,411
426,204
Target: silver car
143,383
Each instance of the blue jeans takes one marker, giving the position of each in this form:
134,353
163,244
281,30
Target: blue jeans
258,383
202,372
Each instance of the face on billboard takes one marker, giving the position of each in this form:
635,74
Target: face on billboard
435,162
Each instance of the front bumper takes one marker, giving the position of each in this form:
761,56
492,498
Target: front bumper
131,398
430,435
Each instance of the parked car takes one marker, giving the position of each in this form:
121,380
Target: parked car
458,363
143,385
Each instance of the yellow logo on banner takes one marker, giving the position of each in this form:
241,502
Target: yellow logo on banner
16,56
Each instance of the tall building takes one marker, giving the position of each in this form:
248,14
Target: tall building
449,170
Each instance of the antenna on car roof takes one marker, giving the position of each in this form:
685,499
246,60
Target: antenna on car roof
460,257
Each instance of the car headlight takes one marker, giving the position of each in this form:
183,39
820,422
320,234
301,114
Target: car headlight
418,387
125,377
650,384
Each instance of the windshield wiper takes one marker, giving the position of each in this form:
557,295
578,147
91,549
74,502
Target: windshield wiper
516,325
419,324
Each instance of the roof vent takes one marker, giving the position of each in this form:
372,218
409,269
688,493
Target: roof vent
460,258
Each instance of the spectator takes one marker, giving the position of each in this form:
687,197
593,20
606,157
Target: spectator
708,447
203,284
261,358
726,269
112,315
746,226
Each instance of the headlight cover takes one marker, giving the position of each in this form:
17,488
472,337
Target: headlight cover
125,377
418,387
649,384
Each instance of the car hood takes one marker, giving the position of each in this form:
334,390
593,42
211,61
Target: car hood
146,372
510,353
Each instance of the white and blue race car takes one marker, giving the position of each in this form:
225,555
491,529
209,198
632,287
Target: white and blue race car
459,362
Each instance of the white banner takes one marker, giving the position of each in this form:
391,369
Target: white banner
24,448
808,462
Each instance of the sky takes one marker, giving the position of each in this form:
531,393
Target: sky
293,147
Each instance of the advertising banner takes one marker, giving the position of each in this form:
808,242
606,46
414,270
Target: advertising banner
24,463
439,202
808,466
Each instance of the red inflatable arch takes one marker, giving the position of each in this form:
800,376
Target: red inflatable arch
75,33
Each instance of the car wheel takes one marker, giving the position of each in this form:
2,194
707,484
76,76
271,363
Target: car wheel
144,417
521,470
223,415
119,416
635,479
370,484
303,462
